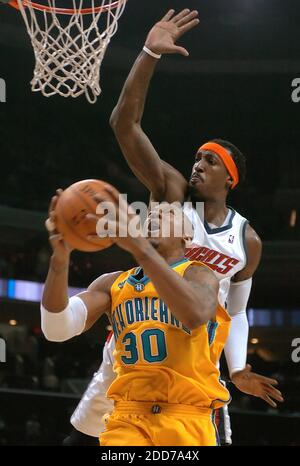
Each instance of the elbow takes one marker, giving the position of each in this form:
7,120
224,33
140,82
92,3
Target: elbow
193,322
204,314
122,120
114,120
54,330
66,324
54,337
118,120
120,126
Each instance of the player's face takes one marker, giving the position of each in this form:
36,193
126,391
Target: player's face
167,227
209,176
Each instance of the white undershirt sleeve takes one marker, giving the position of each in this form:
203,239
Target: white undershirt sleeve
61,326
237,342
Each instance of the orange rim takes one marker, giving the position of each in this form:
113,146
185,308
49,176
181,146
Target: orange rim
66,11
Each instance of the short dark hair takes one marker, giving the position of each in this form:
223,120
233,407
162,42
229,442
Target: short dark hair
238,157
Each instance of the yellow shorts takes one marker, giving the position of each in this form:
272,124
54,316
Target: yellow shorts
159,424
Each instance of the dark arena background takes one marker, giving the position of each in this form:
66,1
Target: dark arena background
240,84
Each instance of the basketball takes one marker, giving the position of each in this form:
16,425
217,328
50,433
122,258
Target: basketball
71,209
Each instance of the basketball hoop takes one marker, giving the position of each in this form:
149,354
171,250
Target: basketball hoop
69,43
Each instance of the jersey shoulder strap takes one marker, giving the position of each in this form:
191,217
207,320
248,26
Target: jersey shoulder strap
239,224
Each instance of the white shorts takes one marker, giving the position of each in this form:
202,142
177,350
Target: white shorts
88,416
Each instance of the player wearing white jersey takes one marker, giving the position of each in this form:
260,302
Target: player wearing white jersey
225,241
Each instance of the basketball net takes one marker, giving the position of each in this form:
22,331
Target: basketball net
69,44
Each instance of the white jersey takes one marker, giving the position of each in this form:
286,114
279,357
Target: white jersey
222,249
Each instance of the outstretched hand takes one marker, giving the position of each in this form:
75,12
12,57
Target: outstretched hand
163,36
257,385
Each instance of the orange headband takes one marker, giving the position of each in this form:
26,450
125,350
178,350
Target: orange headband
226,158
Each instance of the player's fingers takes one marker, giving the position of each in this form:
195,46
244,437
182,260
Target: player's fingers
92,217
92,237
180,50
113,193
103,231
53,216
53,222
187,27
182,14
269,401
102,202
96,239
109,220
98,198
271,387
274,393
50,225
276,397
56,238
266,380
168,16
53,203
119,201
54,200
186,19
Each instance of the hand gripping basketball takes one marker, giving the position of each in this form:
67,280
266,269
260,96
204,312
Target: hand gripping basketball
68,217
59,246
125,227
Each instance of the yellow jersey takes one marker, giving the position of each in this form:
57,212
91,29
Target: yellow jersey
156,357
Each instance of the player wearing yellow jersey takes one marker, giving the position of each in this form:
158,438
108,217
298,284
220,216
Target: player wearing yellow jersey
169,331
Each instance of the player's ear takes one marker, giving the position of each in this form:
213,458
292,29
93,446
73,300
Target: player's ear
229,182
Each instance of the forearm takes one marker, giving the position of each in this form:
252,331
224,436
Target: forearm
130,107
178,294
237,343
61,318
55,296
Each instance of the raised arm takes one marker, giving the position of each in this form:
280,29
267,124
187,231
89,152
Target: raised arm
162,180
63,318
